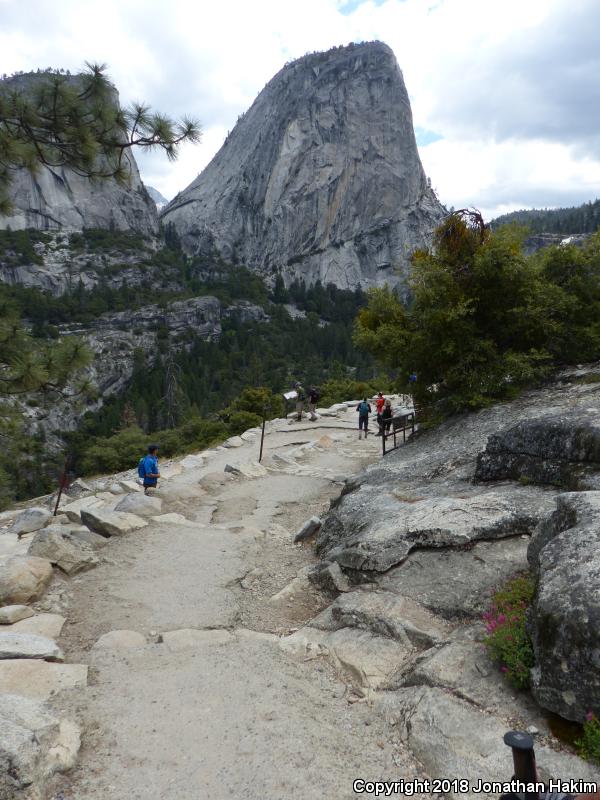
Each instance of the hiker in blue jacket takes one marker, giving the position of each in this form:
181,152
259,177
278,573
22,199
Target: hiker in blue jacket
148,468
364,409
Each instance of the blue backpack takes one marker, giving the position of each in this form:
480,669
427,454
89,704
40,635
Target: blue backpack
363,409
142,468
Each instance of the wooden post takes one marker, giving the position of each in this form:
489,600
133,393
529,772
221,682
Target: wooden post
64,482
262,435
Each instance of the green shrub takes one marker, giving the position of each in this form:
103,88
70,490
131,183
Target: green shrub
507,640
115,453
485,320
589,745
337,390
123,450
240,421
253,400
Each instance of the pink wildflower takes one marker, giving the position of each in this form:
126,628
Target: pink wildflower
589,716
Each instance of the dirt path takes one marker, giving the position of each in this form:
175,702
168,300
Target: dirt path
217,710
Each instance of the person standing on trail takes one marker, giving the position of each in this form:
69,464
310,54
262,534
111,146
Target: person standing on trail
364,409
300,401
379,403
313,399
386,416
148,468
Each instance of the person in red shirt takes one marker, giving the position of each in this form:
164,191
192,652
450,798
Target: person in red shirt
380,402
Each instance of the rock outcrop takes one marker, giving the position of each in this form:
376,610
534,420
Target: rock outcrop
376,531
563,450
320,179
34,744
540,240
565,618
67,552
58,198
422,550
23,578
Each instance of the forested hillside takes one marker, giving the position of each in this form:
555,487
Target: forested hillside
578,219
186,390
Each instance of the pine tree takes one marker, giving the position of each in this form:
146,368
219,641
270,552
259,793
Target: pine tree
60,121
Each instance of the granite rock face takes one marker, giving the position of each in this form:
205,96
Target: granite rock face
373,531
320,179
565,619
58,198
561,450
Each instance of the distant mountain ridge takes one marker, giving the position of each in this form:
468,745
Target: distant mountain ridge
577,219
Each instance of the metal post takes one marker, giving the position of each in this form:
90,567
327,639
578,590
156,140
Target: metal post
262,436
523,759
64,482
266,409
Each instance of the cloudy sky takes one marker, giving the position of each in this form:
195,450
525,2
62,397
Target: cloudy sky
505,93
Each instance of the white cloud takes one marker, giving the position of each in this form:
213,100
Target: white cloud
500,177
510,86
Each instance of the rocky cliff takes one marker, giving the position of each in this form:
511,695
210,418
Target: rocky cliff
114,339
320,179
58,198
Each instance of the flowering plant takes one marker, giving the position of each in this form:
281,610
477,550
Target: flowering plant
507,640
589,744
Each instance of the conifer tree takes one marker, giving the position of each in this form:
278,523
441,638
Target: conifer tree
57,120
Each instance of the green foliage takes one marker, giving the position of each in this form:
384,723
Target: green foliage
116,453
572,277
123,449
577,219
28,364
56,120
588,746
27,469
193,391
240,421
255,400
336,390
18,247
485,320
232,379
327,302
507,640
99,240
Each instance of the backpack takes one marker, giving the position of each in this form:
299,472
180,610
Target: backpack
363,409
142,468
